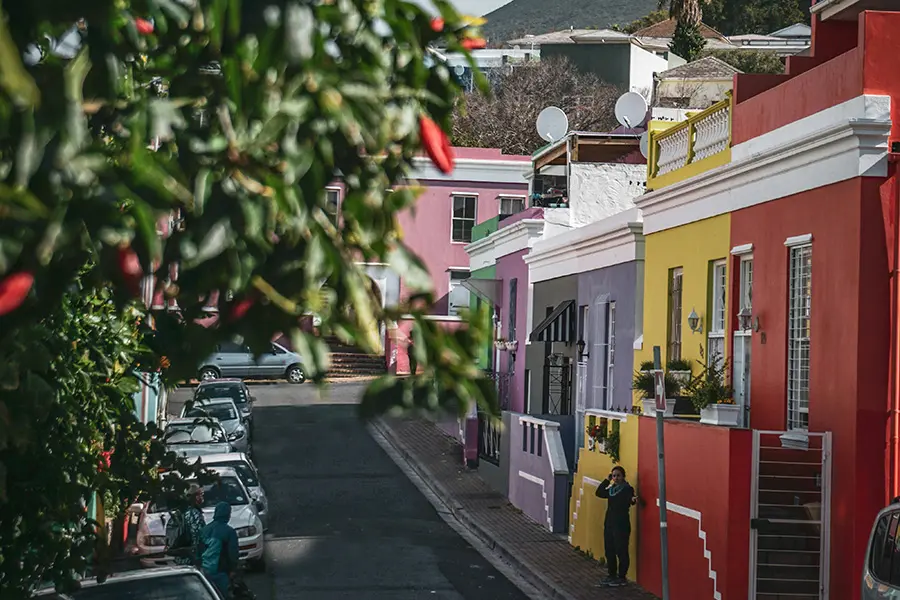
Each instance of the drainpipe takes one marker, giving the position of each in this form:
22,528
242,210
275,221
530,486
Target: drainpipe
894,458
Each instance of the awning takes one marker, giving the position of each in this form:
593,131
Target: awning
486,289
559,326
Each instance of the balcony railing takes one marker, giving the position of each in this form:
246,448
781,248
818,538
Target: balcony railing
700,143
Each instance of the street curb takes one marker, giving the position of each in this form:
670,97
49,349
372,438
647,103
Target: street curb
538,580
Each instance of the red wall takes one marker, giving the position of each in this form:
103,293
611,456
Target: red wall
881,43
850,344
707,470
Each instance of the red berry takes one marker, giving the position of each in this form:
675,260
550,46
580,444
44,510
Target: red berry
13,290
240,308
437,144
144,27
437,24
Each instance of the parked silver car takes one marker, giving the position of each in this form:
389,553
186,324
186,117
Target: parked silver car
164,582
237,360
881,572
191,438
233,388
249,476
226,413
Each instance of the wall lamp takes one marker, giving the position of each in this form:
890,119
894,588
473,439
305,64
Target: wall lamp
694,322
580,344
746,320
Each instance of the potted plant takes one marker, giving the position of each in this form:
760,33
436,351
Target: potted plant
512,345
710,394
500,344
597,437
643,384
680,369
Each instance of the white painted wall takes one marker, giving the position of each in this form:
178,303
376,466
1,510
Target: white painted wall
702,93
643,65
600,190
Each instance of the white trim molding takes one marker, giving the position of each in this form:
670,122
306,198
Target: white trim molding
606,414
458,193
798,240
585,480
840,143
612,241
707,554
742,250
474,169
552,443
518,236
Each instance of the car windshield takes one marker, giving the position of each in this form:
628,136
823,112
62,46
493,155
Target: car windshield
244,471
227,489
222,412
194,433
222,390
173,587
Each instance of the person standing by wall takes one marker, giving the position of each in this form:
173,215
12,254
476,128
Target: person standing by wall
616,526
411,354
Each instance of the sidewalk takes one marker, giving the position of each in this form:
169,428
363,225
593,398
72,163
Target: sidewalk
545,559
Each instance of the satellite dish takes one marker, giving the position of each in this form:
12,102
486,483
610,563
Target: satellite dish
631,108
459,70
645,144
552,124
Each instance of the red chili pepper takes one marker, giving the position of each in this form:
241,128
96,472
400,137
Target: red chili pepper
437,24
131,270
240,308
474,43
14,289
144,27
437,144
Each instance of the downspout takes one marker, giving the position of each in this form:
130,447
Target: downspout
894,459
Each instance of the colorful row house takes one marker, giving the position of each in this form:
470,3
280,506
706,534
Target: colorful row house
766,248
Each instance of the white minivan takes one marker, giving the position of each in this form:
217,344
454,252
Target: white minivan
881,572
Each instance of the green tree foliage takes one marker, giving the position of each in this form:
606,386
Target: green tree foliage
657,16
732,17
750,61
687,42
255,108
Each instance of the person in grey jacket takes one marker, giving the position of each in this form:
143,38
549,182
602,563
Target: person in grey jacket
617,525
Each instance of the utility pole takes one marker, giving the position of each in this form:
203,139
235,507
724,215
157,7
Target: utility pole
660,380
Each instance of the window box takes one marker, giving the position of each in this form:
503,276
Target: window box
649,407
683,377
727,415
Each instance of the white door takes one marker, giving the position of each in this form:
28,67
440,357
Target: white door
580,405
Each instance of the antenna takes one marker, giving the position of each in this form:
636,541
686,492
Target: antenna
552,124
631,108
645,144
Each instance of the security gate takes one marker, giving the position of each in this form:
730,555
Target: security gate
557,386
790,514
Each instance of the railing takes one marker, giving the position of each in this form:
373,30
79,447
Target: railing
701,136
557,389
489,428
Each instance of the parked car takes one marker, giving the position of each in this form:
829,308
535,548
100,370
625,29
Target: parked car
162,583
881,572
237,360
233,388
248,474
227,414
151,538
189,437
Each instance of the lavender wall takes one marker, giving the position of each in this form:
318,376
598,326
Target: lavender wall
534,487
548,294
621,283
509,267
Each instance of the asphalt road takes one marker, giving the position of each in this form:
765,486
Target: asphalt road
345,520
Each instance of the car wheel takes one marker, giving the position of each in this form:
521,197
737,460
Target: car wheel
208,373
295,374
257,565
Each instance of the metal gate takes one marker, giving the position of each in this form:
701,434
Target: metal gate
790,516
489,429
558,386
580,405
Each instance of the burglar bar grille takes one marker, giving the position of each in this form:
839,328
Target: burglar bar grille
800,296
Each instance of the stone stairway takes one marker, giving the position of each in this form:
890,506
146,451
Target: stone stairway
349,361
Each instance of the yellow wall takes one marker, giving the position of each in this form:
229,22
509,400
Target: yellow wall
692,247
586,510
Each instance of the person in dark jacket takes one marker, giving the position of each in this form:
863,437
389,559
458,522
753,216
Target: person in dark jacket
220,549
194,521
617,525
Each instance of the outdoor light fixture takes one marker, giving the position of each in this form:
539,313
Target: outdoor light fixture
746,321
581,352
694,322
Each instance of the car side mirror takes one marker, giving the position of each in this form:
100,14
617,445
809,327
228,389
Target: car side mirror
259,506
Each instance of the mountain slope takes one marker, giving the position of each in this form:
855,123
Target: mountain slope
520,17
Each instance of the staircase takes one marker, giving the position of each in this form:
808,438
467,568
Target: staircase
788,523
349,361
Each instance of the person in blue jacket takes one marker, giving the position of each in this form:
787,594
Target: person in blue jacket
220,549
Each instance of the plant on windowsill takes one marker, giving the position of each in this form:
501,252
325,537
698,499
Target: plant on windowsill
680,369
500,343
597,437
643,384
711,395
612,443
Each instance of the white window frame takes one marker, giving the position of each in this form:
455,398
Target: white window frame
455,282
337,212
511,197
745,289
610,352
798,338
454,218
675,326
718,302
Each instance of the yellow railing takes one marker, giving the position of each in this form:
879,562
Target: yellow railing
700,143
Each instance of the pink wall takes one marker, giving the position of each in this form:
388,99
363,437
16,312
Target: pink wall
512,266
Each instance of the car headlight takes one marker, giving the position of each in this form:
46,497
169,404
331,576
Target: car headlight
236,434
153,540
244,532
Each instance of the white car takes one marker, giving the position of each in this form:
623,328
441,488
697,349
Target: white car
245,469
170,582
190,437
226,412
151,536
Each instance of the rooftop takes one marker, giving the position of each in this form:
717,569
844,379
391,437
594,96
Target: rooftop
704,68
554,37
666,29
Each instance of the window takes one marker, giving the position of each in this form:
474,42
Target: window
610,352
885,554
603,340
742,338
675,279
746,283
463,218
232,348
333,204
511,334
715,338
799,298
458,298
511,206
